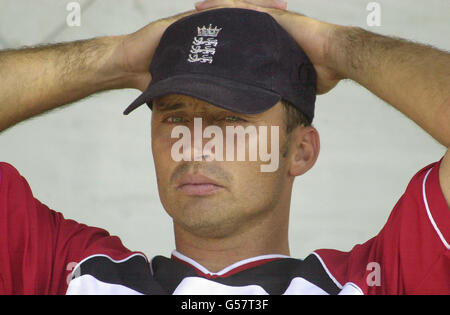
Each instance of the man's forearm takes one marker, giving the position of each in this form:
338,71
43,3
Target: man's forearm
35,80
413,78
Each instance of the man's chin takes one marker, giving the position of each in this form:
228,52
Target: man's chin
209,226
205,216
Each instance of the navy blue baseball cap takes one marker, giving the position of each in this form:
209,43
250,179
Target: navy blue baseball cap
238,59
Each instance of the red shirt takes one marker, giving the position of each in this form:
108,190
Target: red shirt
411,252
39,248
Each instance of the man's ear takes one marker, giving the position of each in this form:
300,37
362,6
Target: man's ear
304,149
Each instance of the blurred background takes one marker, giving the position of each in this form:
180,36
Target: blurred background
95,165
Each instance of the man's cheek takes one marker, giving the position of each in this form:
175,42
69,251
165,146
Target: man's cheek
161,146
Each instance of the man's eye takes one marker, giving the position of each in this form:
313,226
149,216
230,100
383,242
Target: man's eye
174,119
233,119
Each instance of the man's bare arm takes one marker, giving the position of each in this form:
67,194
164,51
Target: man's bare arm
36,80
412,77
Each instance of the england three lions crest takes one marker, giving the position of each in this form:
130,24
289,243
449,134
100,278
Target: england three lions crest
204,44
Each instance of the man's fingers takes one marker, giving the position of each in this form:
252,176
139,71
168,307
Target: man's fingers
276,4
247,4
210,4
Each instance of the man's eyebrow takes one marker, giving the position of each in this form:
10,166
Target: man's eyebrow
165,107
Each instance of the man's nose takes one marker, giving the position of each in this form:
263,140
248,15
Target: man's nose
199,140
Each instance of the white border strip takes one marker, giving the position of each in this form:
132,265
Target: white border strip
103,255
351,289
89,285
429,212
226,269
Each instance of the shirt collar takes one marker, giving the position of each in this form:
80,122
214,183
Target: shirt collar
231,269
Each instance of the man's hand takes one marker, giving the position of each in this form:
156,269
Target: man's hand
313,36
138,48
243,4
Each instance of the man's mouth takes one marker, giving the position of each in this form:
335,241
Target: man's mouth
198,185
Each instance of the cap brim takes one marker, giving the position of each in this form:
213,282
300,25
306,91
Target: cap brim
225,93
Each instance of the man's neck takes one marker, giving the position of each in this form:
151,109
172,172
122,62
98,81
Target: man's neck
216,254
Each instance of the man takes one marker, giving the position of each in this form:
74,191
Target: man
230,218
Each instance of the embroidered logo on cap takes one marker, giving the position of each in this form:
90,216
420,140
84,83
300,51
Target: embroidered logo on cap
203,45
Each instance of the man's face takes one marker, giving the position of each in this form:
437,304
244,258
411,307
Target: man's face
216,198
